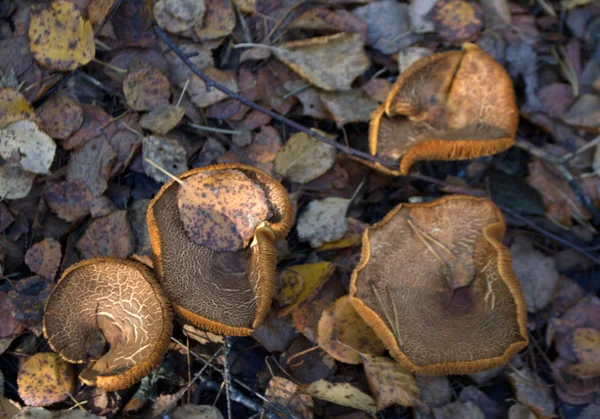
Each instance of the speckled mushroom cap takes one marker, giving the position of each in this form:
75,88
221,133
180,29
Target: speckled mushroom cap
448,106
436,284
225,292
119,299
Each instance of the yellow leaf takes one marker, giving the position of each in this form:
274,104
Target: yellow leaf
59,38
586,343
44,379
343,394
13,107
314,275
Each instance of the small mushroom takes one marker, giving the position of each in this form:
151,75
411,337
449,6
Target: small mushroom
448,106
226,292
112,301
437,285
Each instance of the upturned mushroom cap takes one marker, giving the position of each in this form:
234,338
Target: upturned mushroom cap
116,301
448,106
225,292
436,284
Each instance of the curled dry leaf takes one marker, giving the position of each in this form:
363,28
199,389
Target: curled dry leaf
323,221
313,275
60,117
44,257
464,107
22,142
162,118
59,38
146,88
70,200
457,20
343,394
329,62
304,158
221,209
13,107
108,236
114,301
45,379
452,247
166,153
344,335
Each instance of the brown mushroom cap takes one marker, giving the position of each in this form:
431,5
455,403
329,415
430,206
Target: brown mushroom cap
225,292
436,284
119,299
448,106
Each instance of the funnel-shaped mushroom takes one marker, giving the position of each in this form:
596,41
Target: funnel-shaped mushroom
448,106
227,292
436,284
112,301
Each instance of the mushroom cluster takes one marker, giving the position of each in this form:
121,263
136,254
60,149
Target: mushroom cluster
214,263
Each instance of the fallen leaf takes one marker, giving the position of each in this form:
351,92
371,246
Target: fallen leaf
537,273
408,56
92,164
466,410
9,325
44,379
211,150
304,158
308,363
309,97
108,236
59,38
200,95
28,298
456,20
329,62
95,122
490,407
177,16
555,99
388,24
162,118
313,277
350,106
283,392
44,257
265,145
60,117
344,335
194,411
15,183
22,142
377,89
165,152
70,200
221,209
202,336
519,411
533,392
13,107
343,394
219,20
275,334
586,345
146,88
289,284
352,237
323,221
324,20
585,112
98,10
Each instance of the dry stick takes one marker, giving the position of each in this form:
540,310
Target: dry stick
210,83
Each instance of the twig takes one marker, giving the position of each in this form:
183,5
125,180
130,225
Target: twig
213,129
211,83
238,397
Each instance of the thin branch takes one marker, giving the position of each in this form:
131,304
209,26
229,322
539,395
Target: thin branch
210,83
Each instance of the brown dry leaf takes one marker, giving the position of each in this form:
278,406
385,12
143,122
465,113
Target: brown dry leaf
146,88
95,122
177,16
60,117
313,277
165,152
101,206
377,89
98,10
461,410
388,22
44,379
304,158
537,273
59,38
13,107
410,55
9,325
162,119
108,236
221,209
201,96
271,86
22,142
28,298
329,62
344,335
92,164
343,394
390,383
195,411
309,97
533,392
585,112
218,22
202,336
324,20
351,106
519,411
555,99
70,200
285,393
323,221
457,20
44,257
265,145
276,333
15,183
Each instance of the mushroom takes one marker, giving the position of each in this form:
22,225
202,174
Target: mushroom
436,284
448,106
226,292
114,301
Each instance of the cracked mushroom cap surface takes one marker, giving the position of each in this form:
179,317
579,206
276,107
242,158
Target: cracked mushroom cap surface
109,301
452,105
226,292
437,285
